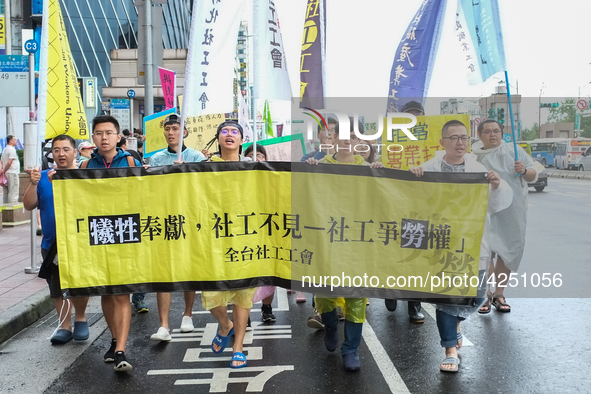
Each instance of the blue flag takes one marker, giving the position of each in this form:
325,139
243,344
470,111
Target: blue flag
478,30
414,58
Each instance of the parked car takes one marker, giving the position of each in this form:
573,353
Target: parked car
585,161
541,183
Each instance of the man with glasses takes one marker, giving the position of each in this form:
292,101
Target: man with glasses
455,141
116,308
326,137
172,133
508,242
39,194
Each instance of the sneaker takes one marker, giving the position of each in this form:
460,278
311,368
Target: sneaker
267,314
340,314
121,364
315,321
140,306
300,297
351,362
161,335
110,355
248,325
187,324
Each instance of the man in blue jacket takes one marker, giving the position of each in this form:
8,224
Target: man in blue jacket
116,308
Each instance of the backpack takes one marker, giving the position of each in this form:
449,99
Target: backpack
130,162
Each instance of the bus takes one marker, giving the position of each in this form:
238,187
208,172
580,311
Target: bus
525,145
542,150
568,152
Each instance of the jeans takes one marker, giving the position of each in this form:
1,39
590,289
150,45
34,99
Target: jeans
352,331
138,297
448,328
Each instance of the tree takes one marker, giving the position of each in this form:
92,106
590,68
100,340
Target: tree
565,112
530,134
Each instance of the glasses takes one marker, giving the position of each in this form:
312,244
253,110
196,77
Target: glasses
487,132
455,138
233,132
107,133
57,151
353,137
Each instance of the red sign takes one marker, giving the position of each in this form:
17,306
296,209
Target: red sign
477,121
581,104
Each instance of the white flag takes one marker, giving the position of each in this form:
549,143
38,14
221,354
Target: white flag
209,75
243,119
270,70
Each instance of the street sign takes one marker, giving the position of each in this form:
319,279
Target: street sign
581,105
507,138
90,93
14,63
17,83
31,46
477,121
131,93
120,111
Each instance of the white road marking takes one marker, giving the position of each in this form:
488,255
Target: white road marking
430,309
387,368
221,377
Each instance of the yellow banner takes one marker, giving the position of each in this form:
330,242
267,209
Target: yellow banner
154,132
65,109
238,225
415,153
2,35
202,130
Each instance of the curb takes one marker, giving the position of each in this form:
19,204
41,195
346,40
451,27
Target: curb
24,314
583,175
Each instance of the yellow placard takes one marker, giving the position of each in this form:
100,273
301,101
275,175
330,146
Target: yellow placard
154,132
202,130
415,153
237,225
65,109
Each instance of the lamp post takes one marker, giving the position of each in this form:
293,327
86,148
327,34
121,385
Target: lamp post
540,112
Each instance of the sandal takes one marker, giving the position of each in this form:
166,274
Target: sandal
498,304
460,339
237,356
221,341
485,308
450,360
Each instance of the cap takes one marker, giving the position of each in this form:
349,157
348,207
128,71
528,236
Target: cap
172,118
413,105
85,145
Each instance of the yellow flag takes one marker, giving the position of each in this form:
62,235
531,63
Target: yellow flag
61,110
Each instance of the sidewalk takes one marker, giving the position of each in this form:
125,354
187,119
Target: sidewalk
24,298
570,174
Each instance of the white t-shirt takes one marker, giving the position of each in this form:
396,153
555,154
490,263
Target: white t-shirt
10,153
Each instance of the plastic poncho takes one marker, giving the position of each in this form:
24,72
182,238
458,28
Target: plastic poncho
508,226
498,200
354,308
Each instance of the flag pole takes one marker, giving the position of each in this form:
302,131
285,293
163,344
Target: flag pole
511,114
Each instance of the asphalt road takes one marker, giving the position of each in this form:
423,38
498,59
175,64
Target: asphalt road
540,347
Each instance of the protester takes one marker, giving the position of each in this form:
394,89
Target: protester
354,308
39,194
85,149
10,167
172,134
116,308
261,152
414,307
366,150
508,241
326,138
124,146
455,141
229,137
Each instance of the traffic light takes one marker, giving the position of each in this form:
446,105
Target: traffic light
81,87
491,113
549,105
501,114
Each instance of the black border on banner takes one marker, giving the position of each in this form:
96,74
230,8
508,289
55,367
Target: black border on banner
278,166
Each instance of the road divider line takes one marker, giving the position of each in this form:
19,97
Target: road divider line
387,368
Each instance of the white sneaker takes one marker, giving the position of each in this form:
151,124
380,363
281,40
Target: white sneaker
187,324
161,335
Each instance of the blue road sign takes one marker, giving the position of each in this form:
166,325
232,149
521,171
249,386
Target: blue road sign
131,93
31,46
14,63
507,138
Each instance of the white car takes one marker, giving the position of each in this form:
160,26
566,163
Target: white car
585,161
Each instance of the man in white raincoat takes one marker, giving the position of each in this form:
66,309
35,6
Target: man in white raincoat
455,140
508,226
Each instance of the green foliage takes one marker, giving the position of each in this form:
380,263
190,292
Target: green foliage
564,113
530,134
20,154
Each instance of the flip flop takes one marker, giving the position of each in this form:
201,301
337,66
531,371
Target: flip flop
221,341
237,356
486,305
460,337
450,360
497,303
